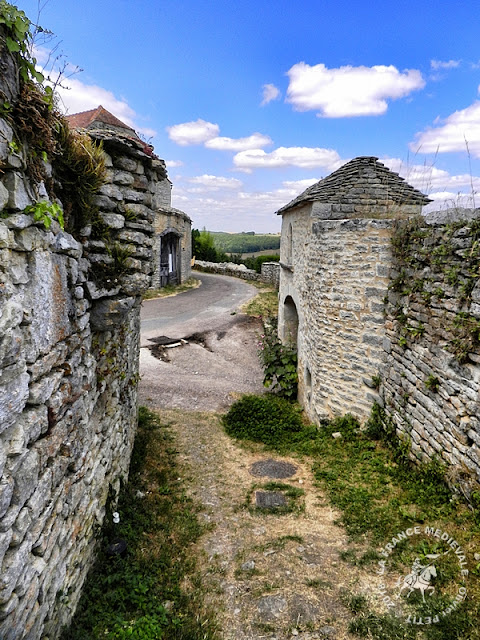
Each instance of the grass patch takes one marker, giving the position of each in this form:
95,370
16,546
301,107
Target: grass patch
264,304
153,592
172,289
379,492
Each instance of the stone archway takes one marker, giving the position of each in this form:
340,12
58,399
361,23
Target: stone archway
290,321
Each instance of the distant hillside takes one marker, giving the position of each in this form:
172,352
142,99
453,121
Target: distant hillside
245,242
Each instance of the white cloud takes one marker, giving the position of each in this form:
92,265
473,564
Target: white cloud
449,64
349,91
442,187
297,186
171,164
269,93
190,133
76,96
453,133
214,183
304,157
255,141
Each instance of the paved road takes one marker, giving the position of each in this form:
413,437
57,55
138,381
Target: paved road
220,360
196,310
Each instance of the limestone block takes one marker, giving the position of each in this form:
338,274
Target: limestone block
40,504
130,195
19,195
107,314
18,220
141,211
11,347
6,493
15,265
13,564
9,607
123,177
136,283
26,478
126,163
134,236
21,526
95,293
111,191
51,302
13,398
41,391
66,243
6,136
144,227
113,220
33,238
140,183
105,203
4,195
7,238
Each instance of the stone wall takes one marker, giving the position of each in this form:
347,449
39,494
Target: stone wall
270,273
69,334
431,380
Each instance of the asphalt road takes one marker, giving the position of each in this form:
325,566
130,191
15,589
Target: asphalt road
219,361
196,310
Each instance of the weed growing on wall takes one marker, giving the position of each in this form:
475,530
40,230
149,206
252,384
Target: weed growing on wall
279,362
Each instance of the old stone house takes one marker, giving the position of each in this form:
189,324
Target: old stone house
335,257
172,251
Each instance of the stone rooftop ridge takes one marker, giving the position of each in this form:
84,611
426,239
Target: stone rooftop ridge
363,181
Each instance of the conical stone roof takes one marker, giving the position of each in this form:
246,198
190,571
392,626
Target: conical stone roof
362,185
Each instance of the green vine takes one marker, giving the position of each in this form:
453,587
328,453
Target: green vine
19,41
279,362
46,212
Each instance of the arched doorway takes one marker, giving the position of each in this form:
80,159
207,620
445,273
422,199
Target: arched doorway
169,258
290,321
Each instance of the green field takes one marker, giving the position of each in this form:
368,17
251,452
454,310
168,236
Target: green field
246,242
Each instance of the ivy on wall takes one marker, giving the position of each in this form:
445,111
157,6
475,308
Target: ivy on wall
437,268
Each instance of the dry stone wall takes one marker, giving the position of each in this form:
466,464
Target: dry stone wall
69,337
270,273
431,380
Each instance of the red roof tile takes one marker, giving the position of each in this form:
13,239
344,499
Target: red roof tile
85,119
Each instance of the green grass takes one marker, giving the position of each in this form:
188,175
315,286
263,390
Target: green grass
264,304
132,597
171,289
379,493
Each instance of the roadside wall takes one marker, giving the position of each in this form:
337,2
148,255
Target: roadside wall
431,379
69,335
270,273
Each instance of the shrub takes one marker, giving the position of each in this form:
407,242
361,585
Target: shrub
267,418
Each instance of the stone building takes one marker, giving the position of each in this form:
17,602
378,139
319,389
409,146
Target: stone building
335,261
172,250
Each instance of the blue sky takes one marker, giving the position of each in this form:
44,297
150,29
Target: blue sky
250,102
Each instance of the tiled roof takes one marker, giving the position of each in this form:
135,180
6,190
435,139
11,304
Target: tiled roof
361,181
85,119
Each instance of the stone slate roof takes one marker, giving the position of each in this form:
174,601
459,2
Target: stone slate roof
88,120
363,180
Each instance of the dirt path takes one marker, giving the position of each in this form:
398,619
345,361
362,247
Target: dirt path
266,575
